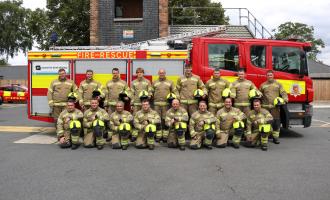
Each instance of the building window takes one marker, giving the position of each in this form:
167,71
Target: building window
258,56
129,9
223,56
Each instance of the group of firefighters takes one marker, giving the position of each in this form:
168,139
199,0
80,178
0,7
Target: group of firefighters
218,113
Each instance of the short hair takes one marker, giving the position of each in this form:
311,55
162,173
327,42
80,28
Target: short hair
146,101
89,70
188,66
241,70
120,102
139,69
270,71
256,100
115,69
202,102
71,101
231,99
61,70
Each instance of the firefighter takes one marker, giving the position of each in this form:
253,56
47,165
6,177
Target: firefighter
186,86
95,119
176,119
258,125
161,88
229,123
58,92
145,122
139,85
202,127
240,92
121,125
115,89
274,96
214,87
68,126
86,89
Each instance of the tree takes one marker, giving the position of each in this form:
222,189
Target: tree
196,12
14,34
303,33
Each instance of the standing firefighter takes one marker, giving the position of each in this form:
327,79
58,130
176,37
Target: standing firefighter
116,89
69,126
145,121
274,96
162,88
202,127
187,86
258,125
86,89
141,89
240,92
176,119
214,87
121,126
229,123
58,92
95,119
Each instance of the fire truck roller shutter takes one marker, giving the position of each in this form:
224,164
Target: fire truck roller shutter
42,74
102,69
174,68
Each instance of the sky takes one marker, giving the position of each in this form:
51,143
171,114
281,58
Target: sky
270,13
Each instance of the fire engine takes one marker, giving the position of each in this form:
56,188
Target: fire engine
204,53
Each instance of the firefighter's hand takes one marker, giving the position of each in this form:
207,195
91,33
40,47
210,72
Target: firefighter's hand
62,139
249,138
201,123
92,118
67,119
145,122
82,106
172,121
176,119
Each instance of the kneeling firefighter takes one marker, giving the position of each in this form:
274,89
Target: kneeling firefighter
176,120
121,126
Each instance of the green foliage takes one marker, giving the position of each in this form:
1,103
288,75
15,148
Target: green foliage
303,33
14,34
206,13
3,62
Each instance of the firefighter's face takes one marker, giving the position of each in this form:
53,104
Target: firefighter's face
228,103
70,106
61,74
89,75
161,74
241,75
119,107
145,106
270,76
188,71
256,105
115,74
175,104
139,74
216,74
94,103
202,106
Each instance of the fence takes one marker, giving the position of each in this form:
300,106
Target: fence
321,89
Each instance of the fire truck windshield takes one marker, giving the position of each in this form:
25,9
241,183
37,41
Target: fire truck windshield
289,59
223,56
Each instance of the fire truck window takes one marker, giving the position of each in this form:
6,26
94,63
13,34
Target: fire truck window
287,59
223,56
258,56
129,8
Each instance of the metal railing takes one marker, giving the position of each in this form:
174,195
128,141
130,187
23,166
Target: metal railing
244,17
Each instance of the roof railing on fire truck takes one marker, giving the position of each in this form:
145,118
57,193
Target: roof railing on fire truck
136,46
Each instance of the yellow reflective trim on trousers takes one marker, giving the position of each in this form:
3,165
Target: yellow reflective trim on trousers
150,140
124,142
160,103
165,134
276,134
264,140
182,140
242,104
74,139
189,101
207,141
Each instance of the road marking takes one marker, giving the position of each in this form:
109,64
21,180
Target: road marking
37,139
27,129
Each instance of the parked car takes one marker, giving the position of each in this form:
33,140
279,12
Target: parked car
13,93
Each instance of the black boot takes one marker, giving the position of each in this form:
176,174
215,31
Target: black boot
124,147
116,146
194,147
221,145
74,146
209,147
182,148
151,147
99,147
264,147
65,145
236,146
276,141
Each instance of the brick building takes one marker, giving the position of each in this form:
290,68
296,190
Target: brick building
116,21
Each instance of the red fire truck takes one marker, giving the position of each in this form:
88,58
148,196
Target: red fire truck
256,56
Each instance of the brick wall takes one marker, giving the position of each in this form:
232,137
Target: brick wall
106,31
